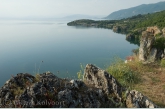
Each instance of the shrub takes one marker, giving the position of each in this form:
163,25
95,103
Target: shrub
123,73
160,43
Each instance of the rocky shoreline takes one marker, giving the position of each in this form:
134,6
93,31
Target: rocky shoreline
98,89
120,26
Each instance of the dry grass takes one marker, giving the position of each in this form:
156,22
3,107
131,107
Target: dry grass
152,79
152,82
37,77
153,86
139,67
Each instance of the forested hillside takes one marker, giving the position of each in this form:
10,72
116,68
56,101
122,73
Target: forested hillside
141,9
133,25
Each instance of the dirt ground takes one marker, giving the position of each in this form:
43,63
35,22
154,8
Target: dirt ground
152,85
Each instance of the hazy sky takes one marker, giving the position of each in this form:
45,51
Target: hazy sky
58,8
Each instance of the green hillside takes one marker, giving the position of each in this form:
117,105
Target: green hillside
133,25
141,9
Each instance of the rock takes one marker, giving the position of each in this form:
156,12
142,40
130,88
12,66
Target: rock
152,55
101,79
99,89
74,83
148,52
146,42
135,99
163,30
51,91
66,97
155,30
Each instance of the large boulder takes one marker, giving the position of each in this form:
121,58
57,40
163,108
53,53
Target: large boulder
101,79
146,42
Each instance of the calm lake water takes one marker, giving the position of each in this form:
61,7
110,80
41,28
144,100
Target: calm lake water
39,46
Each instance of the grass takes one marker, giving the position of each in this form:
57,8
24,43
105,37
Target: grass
37,77
155,80
145,78
80,74
164,87
123,73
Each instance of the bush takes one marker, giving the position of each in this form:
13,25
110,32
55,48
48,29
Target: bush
123,73
160,43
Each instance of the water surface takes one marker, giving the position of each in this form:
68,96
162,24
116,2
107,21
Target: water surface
39,46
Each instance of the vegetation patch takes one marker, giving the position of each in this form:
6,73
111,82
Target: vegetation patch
145,78
133,25
123,73
159,43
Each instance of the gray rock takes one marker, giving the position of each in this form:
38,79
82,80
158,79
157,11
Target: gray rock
147,51
135,99
101,79
152,55
66,97
52,92
146,42
74,84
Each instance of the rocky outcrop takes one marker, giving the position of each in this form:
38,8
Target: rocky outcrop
47,90
135,99
99,89
101,79
146,52
155,30
150,50
163,31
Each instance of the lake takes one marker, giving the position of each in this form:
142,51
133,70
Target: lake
39,46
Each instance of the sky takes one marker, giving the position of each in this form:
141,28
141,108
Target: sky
59,8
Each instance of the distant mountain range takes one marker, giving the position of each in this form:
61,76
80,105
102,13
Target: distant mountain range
141,9
68,17
81,16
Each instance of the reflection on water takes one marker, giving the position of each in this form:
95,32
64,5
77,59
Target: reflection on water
25,44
